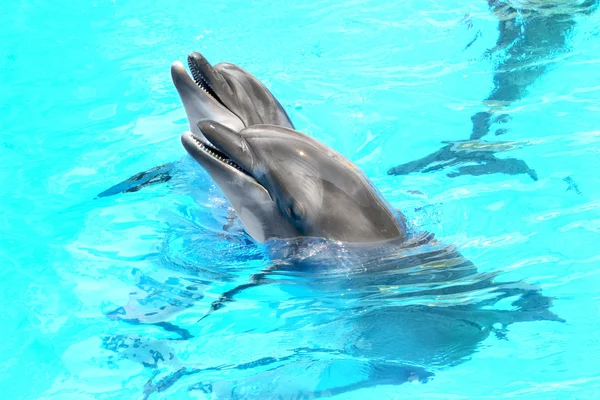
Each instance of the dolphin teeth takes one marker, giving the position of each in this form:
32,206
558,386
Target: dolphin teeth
201,82
205,147
202,87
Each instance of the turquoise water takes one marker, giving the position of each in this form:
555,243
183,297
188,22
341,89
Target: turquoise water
87,101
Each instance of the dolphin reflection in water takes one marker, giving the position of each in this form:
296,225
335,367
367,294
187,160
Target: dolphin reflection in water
531,33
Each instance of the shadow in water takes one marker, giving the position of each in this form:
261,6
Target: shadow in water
471,158
162,173
528,41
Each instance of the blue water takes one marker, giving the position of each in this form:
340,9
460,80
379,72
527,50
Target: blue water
87,101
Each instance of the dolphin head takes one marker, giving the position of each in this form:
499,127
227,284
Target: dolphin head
318,192
228,94
225,93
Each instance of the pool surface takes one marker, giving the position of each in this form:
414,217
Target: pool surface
480,122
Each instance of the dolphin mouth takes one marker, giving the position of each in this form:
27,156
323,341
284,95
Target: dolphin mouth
201,79
203,74
207,149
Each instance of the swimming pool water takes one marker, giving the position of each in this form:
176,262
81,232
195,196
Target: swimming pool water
87,101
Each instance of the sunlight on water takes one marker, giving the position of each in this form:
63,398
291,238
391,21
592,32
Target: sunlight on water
478,120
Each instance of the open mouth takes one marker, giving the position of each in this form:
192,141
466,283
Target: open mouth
202,82
213,152
203,144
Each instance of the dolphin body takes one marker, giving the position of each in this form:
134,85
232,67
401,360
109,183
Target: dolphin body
531,33
360,315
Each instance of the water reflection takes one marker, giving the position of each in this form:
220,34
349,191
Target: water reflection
532,34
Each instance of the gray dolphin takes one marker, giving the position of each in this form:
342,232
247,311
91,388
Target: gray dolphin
312,189
284,184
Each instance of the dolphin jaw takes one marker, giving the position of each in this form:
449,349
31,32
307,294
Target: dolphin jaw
197,145
202,81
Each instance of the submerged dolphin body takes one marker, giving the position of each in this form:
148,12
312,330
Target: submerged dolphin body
344,317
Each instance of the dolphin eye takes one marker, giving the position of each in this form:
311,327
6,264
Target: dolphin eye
294,212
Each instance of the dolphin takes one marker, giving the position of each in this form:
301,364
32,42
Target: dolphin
308,188
342,204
